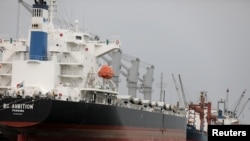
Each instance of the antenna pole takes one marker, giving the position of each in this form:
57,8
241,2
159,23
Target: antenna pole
51,10
18,21
227,101
161,87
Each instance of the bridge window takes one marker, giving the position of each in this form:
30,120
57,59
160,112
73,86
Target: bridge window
37,13
78,37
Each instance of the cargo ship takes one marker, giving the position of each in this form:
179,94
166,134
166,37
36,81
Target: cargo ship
201,114
60,85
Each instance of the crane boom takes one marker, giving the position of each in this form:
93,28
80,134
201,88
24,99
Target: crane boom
177,90
239,101
26,5
243,107
183,94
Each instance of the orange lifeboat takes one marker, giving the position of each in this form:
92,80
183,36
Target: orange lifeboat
106,72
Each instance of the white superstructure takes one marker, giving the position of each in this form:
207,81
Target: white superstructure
63,66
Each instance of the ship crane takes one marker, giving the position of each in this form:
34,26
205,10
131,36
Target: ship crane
243,107
131,73
183,94
238,103
132,76
147,82
27,6
177,90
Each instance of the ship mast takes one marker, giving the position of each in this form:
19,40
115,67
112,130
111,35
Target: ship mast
52,9
226,110
162,92
161,87
18,22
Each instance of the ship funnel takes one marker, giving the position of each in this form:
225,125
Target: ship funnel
39,31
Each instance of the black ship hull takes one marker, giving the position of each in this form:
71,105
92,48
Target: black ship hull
44,119
195,135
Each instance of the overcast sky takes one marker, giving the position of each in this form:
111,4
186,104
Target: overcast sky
207,42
